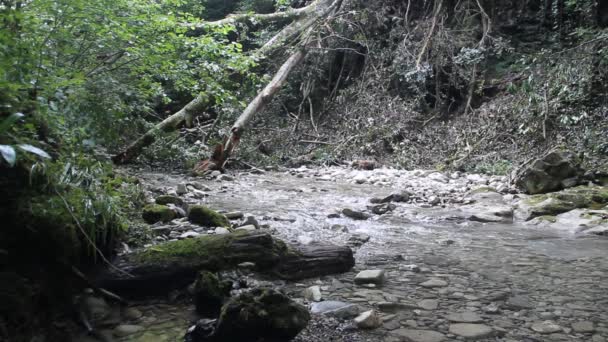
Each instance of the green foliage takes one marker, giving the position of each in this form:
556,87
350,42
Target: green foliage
90,69
8,153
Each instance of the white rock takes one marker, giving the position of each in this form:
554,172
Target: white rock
305,240
248,228
188,235
434,200
368,320
360,179
221,231
313,293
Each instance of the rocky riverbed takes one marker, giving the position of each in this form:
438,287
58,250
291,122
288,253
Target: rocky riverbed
439,257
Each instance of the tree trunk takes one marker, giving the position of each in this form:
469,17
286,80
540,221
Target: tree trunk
548,13
193,108
172,265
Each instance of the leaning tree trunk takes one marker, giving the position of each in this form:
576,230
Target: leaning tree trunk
192,109
171,265
306,18
259,102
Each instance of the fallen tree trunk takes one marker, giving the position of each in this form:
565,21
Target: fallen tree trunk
306,16
171,123
161,268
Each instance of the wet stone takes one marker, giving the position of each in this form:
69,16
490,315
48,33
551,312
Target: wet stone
583,327
465,317
434,282
519,303
546,327
412,335
335,309
355,215
428,304
393,307
370,277
132,314
234,215
127,329
471,331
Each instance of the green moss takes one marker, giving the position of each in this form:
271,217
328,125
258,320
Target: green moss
554,203
536,199
207,217
261,314
215,252
157,213
61,221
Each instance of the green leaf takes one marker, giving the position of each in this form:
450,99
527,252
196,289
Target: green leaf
9,154
35,150
8,122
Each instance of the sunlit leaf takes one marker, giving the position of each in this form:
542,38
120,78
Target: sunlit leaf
9,154
8,122
35,150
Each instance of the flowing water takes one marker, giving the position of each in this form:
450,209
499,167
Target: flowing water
523,283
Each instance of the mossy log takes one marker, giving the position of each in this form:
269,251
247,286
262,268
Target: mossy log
161,268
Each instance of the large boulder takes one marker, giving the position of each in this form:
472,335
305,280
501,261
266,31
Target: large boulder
556,170
262,314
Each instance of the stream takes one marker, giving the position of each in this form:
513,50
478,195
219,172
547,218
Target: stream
489,281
